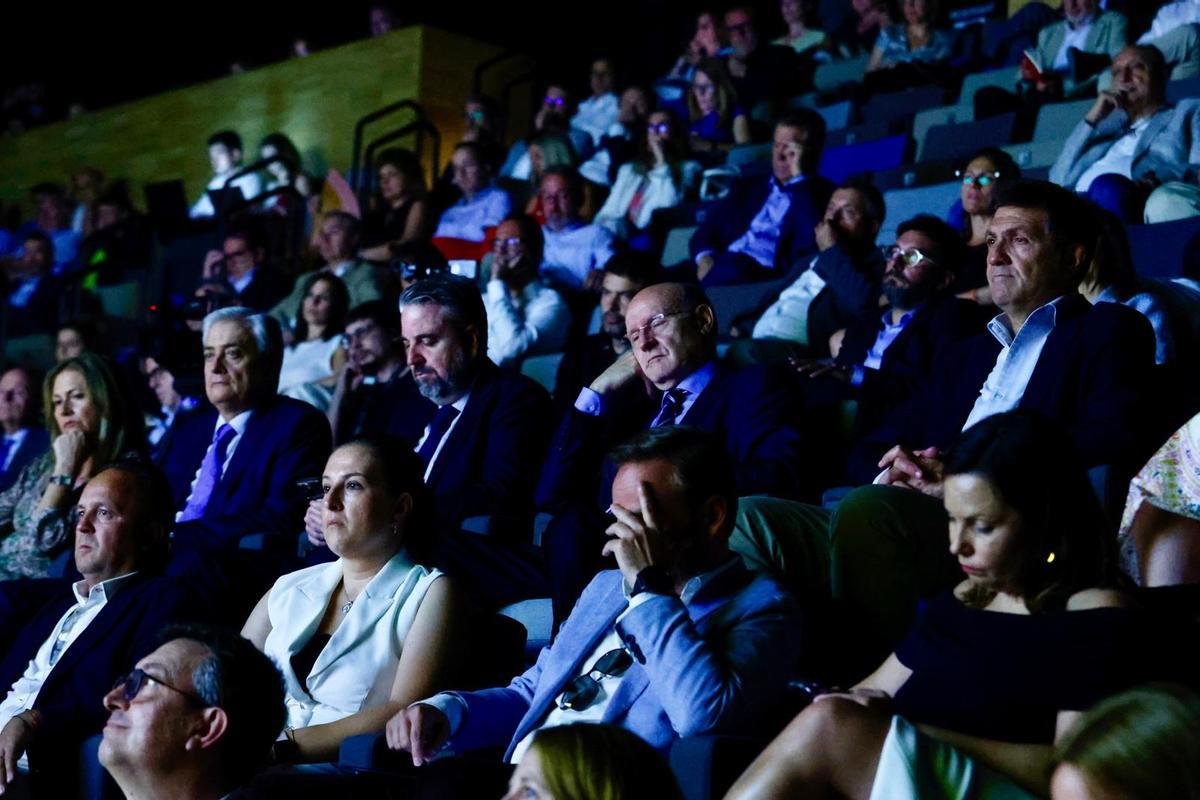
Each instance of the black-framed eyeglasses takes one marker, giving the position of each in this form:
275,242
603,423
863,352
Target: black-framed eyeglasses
911,256
132,683
583,690
655,324
981,180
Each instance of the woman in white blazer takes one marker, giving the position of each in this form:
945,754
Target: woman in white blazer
362,637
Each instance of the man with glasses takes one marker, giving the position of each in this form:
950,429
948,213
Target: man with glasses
525,316
195,719
760,72
678,640
236,274
66,642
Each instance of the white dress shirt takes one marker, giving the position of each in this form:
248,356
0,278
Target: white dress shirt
1077,38
787,318
571,253
460,404
1119,158
1170,17
470,219
534,321
250,184
596,115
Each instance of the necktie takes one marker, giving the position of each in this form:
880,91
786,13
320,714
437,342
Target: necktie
672,407
5,446
210,473
437,429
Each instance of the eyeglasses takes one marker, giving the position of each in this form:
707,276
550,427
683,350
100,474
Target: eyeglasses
553,101
503,244
132,683
662,128
583,690
656,324
981,180
911,256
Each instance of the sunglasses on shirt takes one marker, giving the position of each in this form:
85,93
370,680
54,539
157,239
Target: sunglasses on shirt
583,690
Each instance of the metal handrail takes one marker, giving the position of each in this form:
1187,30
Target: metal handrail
363,122
421,127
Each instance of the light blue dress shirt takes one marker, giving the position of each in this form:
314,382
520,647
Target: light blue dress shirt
760,241
887,335
590,403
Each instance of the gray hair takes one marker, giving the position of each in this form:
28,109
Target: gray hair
265,331
458,297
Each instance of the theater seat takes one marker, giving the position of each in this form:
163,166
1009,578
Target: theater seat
1056,120
903,204
543,369
899,108
959,141
1166,249
839,163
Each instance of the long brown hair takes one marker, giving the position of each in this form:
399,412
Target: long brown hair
121,428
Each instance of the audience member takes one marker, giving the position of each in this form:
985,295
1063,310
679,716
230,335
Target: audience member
625,274
716,121
238,273
910,52
75,338
1160,529
86,187
1131,140
860,31
575,251
286,169
525,316
225,156
617,145
552,119
680,640
483,124
979,179
160,424
336,240
383,19
826,292
316,355
20,417
761,229
797,16
1141,743
547,151
33,290
656,177
761,73
76,640
91,421
120,240
591,761
482,205
387,625
967,699
706,43
54,219
233,467
401,212
595,115
195,718
1085,28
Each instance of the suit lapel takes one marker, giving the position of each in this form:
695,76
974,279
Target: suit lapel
466,427
1045,384
251,446
115,611
1153,129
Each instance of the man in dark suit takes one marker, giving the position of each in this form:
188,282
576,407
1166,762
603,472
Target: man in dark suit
1048,350
233,467
764,227
24,439
31,289
673,336
239,275
67,655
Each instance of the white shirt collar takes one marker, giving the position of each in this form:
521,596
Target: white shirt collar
101,592
238,423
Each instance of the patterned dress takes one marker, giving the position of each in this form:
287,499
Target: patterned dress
1170,481
30,536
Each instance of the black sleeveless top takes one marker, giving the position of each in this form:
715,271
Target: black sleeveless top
304,658
1006,676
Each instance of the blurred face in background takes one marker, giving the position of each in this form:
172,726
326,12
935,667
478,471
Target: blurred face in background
977,192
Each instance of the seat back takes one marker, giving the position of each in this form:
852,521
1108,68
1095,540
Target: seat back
1034,155
839,163
830,76
957,142
942,115
1004,77
898,108
838,115
1056,120
904,204
1161,250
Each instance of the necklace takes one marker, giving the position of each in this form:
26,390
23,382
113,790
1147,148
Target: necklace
346,606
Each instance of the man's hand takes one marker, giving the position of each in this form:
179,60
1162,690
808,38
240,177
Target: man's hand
212,260
809,368
313,525
623,371
704,265
637,542
835,341
826,234
1106,103
14,741
420,729
913,469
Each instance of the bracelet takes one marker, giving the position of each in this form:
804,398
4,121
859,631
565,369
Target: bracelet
28,718
62,480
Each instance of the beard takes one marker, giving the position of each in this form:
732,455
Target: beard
439,390
907,297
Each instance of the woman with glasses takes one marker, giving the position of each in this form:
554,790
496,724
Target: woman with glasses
657,177
969,704
311,363
715,121
360,638
979,178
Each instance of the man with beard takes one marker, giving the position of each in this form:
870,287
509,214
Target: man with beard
882,359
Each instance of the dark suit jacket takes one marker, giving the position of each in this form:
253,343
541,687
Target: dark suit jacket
125,630
39,315
395,409
1091,377
35,443
284,441
582,363
725,224
752,410
266,289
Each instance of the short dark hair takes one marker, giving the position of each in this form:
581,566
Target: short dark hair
702,466
285,150
1112,262
405,162
1005,164
635,265
41,238
229,138
568,174
339,304
404,472
345,218
872,198
812,122
247,686
1160,73
382,314
476,152
248,232
531,236
458,296
948,251
157,507
1033,466
1068,216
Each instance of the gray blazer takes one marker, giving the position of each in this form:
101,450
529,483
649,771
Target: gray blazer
1107,35
1166,148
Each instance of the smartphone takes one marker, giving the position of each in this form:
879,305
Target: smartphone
466,267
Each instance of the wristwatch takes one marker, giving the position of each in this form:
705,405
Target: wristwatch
653,579
62,480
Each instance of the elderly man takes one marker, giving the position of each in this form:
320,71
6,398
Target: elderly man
1048,350
337,242
679,640
576,251
234,467
828,291
481,206
1131,140
525,315
1084,28
66,642
24,439
194,719
763,228
225,156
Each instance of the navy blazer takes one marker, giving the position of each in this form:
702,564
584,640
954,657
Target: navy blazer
285,440
731,218
1091,377
753,410
33,445
125,630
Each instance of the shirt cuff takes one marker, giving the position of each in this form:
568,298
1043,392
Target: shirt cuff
589,402
495,289
450,704
858,374
879,478
702,254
